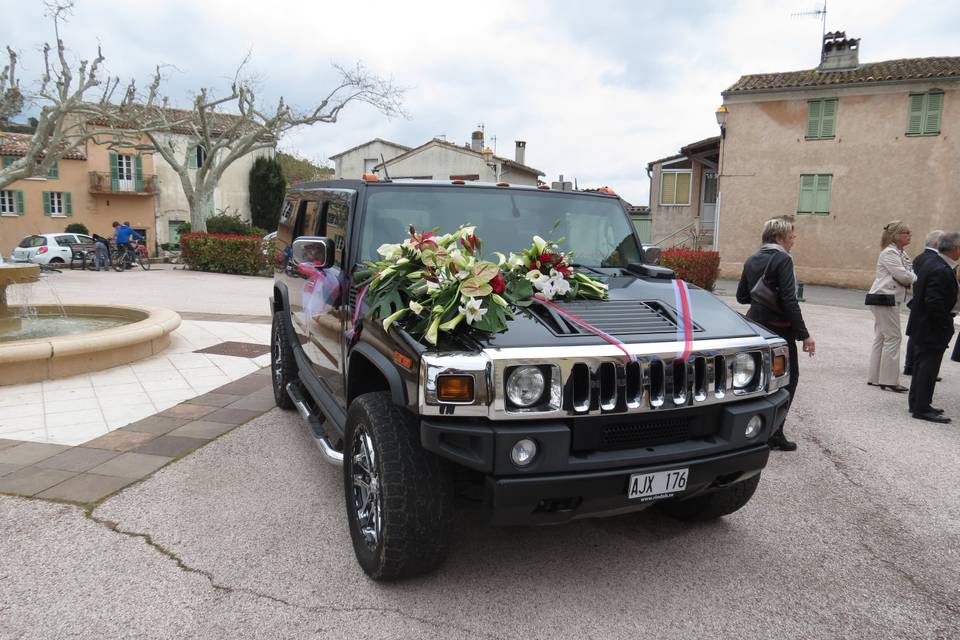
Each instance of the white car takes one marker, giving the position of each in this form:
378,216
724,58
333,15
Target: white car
48,248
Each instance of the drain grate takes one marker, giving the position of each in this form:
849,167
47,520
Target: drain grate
238,349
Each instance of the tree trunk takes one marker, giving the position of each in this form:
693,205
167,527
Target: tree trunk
201,207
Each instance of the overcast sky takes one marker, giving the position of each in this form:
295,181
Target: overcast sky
597,89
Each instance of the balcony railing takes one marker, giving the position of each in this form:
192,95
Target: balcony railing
101,182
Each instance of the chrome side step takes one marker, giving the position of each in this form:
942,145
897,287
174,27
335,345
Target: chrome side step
330,454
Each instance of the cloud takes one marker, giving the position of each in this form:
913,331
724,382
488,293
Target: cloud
597,90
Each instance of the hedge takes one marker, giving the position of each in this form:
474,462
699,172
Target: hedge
696,267
223,253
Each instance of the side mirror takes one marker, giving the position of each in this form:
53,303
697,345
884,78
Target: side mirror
651,254
321,252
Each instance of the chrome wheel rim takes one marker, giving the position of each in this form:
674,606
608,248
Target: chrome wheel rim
366,487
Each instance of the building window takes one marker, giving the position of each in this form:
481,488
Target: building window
7,161
369,164
923,118
11,203
815,193
54,172
675,188
821,118
198,156
57,204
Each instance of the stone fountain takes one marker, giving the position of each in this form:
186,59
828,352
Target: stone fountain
56,341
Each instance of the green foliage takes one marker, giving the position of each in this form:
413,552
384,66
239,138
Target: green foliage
301,170
267,187
224,253
77,227
696,267
232,225
183,228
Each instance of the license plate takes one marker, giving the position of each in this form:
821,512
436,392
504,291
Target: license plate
656,485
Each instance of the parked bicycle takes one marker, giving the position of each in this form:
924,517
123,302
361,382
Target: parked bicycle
125,256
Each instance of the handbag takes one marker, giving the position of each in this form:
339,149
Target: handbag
880,299
765,295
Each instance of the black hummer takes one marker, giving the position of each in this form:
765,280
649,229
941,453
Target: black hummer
682,423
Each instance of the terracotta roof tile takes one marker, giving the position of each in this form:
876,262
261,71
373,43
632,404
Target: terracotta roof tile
906,69
16,144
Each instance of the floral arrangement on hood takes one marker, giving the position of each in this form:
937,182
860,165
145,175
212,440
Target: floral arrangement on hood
432,282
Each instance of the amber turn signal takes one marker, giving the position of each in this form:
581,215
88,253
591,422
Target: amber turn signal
371,177
779,366
455,388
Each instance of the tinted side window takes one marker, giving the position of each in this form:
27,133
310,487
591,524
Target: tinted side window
65,241
32,241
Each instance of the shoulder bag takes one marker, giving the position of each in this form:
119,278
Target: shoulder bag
765,295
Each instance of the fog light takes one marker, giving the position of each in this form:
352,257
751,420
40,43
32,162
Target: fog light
523,452
754,425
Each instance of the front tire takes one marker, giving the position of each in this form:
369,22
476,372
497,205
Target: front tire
399,497
713,505
283,368
143,262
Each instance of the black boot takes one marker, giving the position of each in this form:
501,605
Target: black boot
779,441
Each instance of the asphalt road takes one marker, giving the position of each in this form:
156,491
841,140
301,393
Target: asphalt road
856,535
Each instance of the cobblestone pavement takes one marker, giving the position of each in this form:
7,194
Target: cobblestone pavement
856,535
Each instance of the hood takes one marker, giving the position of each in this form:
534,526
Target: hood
639,310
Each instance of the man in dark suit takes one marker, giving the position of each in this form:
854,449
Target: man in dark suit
931,325
929,251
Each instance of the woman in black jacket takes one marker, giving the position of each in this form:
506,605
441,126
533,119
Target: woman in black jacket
774,264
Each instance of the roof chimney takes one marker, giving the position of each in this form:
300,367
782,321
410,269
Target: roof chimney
476,141
521,152
839,53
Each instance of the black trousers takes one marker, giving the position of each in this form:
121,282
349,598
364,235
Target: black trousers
926,368
955,356
908,358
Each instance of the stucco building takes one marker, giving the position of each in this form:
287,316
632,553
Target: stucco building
438,160
92,185
683,195
846,148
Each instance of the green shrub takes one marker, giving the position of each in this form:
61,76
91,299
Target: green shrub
267,188
232,225
77,227
170,246
696,267
223,253
183,228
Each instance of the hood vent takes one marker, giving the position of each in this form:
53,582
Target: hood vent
616,317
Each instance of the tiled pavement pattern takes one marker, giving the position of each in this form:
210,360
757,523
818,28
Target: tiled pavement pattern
73,410
104,465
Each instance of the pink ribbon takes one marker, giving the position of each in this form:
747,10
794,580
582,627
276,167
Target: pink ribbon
586,325
685,326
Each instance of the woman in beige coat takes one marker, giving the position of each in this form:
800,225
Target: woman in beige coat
894,278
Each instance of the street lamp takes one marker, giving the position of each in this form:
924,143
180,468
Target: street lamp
722,120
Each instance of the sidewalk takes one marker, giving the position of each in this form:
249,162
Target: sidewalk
812,294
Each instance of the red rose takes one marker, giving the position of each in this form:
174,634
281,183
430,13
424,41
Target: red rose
497,284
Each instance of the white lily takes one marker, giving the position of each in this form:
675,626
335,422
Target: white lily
416,307
539,243
390,251
390,319
472,310
432,286
450,325
431,335
560,285
500,258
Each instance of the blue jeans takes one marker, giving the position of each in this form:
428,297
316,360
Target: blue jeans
101,256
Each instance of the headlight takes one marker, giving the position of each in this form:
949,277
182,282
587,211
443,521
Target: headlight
744,370
525,386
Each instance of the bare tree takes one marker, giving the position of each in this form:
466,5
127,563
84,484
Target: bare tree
229,127
68,118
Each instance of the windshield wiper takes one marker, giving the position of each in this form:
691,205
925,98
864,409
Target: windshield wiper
577,265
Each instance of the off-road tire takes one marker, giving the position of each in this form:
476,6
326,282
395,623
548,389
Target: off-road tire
713,505
283,368
415,492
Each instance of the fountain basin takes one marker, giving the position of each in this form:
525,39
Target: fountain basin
145,331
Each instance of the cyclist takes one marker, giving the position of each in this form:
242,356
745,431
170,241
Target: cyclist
121,236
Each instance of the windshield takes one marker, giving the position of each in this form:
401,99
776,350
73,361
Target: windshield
595,230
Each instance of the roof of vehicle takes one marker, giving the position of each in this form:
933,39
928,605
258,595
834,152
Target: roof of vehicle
412,182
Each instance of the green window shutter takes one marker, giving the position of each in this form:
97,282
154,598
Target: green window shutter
822,201
668,186
828,118
814,109
683,188
916,113
192,157
54,171
68,203
46,203
7,161
19,202
931,123
138,173
808,195
114,173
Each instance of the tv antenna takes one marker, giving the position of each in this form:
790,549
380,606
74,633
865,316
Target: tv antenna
820,13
